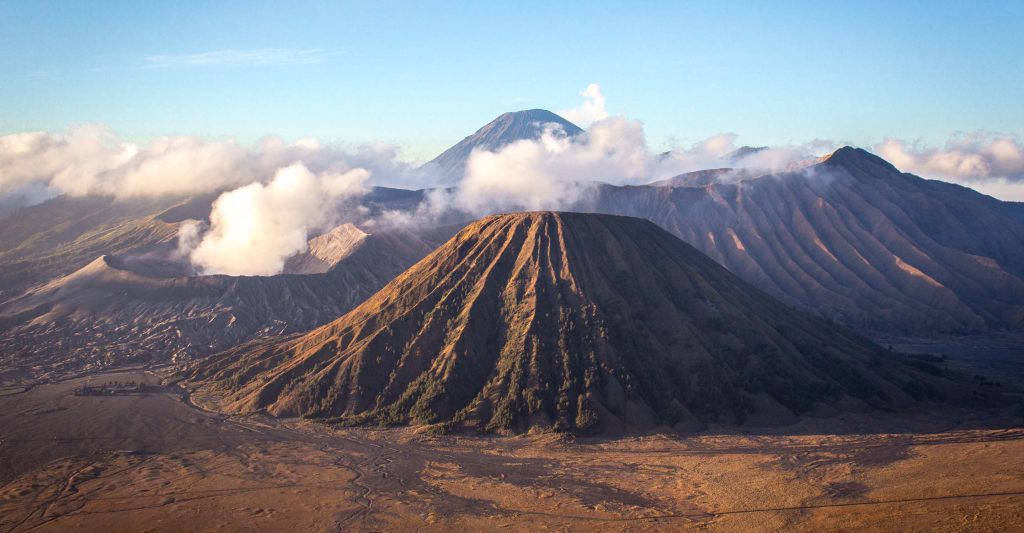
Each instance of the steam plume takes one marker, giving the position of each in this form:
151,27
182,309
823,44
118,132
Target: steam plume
254,228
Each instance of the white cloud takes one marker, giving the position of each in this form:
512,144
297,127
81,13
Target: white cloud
964,158
990,164
708,153
254,57
254,228
552,171
1000,188
189,236
591,110
555,171
278,192
92,160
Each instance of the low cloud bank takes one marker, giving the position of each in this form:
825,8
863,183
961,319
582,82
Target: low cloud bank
554,171
991,164
276,194
92,160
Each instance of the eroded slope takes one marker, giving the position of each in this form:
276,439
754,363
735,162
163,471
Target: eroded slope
571,321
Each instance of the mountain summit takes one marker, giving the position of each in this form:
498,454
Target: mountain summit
500,132
859,161
570,321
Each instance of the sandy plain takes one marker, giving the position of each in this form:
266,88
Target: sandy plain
153,461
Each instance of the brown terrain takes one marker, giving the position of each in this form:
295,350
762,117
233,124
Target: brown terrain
64,234
151,461
115,311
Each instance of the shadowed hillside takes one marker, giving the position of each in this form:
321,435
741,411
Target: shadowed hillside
571,321
853,239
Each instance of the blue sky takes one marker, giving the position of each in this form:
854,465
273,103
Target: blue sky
424,74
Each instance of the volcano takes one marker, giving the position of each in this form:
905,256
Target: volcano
566,321
495,135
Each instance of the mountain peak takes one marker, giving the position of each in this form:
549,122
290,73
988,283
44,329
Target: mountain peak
518,125
570,321
536,115
496,134
741,152
326,250
858,161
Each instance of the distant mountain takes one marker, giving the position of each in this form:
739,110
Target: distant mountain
570,321
124,309
699,178
854,239
61,235
42,242
741,152
326,250
730,173
500,132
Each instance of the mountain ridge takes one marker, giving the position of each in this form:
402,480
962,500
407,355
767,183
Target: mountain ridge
854,239
116,311
568,321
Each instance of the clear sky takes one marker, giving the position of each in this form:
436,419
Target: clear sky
423,74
